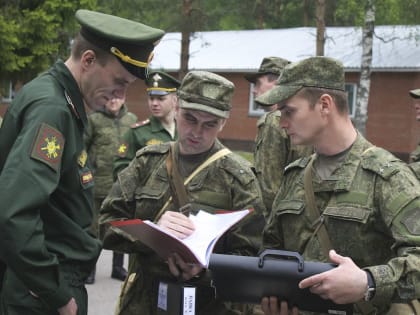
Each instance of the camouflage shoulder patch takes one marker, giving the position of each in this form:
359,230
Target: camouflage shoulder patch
122,149
140,123
158,148
380,161
48,146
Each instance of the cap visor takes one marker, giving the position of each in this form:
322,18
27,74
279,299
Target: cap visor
159,93
277,94
204,108
415,93
251,77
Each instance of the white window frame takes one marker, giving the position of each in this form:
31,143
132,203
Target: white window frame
257,111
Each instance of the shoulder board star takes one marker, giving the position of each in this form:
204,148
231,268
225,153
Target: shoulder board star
140,123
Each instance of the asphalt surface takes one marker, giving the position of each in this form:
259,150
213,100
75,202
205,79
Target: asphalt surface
103,294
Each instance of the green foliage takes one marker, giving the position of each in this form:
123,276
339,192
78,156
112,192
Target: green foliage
33,34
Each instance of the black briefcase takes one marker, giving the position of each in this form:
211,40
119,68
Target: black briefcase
274,273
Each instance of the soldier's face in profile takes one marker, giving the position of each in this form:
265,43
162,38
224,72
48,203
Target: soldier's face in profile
197,130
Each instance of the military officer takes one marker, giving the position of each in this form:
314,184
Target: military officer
148,189
46,179
272,151
159,127
365,214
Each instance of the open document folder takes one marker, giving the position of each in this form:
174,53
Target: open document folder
196,248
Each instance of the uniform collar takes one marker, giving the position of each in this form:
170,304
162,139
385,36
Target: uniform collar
71,90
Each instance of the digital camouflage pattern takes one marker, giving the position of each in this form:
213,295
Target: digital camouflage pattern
371,209
273,65
415,155
273,152
102,137
141,191
206,91
325,73
141,134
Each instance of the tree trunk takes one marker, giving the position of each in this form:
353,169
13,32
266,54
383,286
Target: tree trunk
320,27
305,12
185,37
362,97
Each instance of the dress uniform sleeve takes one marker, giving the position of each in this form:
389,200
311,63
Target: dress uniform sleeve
399,198
26,183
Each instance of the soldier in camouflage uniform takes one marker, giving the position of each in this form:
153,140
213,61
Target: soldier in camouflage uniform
273,150
369,199
159,127
104,133
415,94
144,187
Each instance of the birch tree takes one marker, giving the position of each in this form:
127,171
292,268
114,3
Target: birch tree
362,97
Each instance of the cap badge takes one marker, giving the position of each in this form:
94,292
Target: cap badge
156,78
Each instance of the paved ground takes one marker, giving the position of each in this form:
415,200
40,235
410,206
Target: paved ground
104,292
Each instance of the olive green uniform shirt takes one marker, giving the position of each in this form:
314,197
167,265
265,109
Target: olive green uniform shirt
141,191
273,152
141,134
371,208
46,193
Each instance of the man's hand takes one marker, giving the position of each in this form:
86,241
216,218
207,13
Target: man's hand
344,284
69,309
271,306
177,224
181,269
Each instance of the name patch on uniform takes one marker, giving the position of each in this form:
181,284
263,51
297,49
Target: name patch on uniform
48,146
86,177
122,149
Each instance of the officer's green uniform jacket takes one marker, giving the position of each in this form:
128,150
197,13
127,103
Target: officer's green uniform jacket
46,193
147,132
142,190
371,209
273,152
102,137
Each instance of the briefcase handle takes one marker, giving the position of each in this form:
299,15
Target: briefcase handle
281,254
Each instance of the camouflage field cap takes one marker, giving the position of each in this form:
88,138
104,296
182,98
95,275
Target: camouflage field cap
274,65
131,42
415,93
206,91
320,72
161,83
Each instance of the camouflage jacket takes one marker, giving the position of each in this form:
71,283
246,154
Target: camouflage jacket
371,209
415,155
141,191
273,152
141,134
101,138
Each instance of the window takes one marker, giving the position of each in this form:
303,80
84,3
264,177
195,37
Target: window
351,89
6,91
